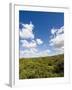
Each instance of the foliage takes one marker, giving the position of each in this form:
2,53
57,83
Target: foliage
43,67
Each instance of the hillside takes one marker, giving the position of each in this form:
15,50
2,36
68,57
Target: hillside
43,67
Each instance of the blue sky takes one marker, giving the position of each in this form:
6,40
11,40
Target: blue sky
46,28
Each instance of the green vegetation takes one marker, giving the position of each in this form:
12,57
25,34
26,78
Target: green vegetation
43,67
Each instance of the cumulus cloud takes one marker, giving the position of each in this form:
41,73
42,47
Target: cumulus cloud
27,31
61,30
39,41
58,39
31,44
27,44
53,31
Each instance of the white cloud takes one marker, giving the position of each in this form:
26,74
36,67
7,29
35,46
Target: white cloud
32,53
48,51
44,53
31,44
61,30
34,50
27,53
57,42
27,31
53,31
28,26
39,41
27,44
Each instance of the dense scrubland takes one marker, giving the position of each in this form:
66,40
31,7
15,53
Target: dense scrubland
42,67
